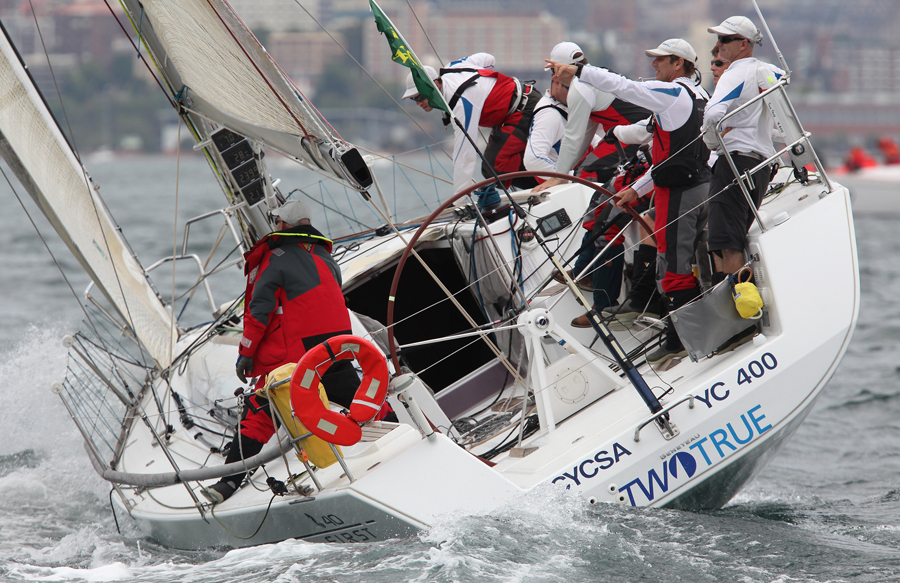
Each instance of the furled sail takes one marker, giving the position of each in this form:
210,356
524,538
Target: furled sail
37,152
217,69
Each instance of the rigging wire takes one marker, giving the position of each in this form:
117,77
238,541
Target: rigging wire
425,32
175,238
49,251
261,74
392,160
386,92
140,56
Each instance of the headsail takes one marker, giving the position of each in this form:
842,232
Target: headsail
36,150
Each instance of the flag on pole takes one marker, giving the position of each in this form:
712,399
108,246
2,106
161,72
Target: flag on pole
402,53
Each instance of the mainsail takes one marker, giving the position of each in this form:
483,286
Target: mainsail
218,70
37,152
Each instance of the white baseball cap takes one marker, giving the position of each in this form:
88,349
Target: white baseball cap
674,46
292,212
567,53
411,88
740,26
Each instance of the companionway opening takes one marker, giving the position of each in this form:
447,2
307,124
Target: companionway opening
439,365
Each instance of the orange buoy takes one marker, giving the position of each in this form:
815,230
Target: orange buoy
332,426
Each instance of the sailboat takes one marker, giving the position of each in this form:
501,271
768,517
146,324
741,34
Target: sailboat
495,394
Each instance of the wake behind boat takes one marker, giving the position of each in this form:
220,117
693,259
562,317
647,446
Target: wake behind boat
494,392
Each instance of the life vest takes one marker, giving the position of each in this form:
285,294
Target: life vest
507,96
682,145
619,113
338,427
601,163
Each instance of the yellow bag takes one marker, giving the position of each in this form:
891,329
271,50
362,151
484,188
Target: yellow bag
317,450
746,297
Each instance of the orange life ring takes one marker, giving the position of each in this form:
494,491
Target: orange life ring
332,426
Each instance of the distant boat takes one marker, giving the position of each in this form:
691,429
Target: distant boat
873,189
515,400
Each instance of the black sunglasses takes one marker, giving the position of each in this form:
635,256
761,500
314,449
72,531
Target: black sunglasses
717,63
729,39
418,98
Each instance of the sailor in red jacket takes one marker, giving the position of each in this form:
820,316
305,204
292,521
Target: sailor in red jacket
293,302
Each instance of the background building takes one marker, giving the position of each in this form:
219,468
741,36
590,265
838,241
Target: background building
845,56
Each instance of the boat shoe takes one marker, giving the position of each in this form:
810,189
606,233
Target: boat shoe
586,283
623,317
580,322
660,358
219,492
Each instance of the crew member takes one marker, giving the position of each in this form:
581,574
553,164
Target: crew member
718,65
548,125
480,96
747,137
680,172
889,149
293,302
858,158
590,110
545,138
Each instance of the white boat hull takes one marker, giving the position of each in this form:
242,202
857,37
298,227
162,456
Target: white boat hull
746,403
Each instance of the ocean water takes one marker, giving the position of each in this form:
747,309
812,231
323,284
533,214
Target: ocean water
826,509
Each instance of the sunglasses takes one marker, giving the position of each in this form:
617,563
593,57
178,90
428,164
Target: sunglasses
729,39
717,63
419,98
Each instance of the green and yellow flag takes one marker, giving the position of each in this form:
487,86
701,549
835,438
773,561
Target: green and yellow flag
402,53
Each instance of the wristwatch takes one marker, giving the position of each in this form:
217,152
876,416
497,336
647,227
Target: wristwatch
578,68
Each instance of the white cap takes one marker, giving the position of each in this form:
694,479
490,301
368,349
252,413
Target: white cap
567,53
411,88
292,212
740,26
674,46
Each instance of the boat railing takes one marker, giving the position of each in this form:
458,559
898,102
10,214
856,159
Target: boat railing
204,275
227,215
796,139
660,413
297,442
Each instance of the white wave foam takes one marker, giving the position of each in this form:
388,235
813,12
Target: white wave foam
34,418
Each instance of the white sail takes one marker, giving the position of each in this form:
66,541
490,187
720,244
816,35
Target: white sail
216,68
36,150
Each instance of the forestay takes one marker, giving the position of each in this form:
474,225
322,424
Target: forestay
37,152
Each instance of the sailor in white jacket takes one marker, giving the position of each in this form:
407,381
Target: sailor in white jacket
480,96
547,129
747,137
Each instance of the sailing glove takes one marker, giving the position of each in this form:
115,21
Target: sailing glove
242,367
610,136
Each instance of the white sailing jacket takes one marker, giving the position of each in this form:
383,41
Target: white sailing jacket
583,99
752,129
545,137
670,103
468,111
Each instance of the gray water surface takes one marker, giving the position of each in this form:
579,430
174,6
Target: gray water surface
826,509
